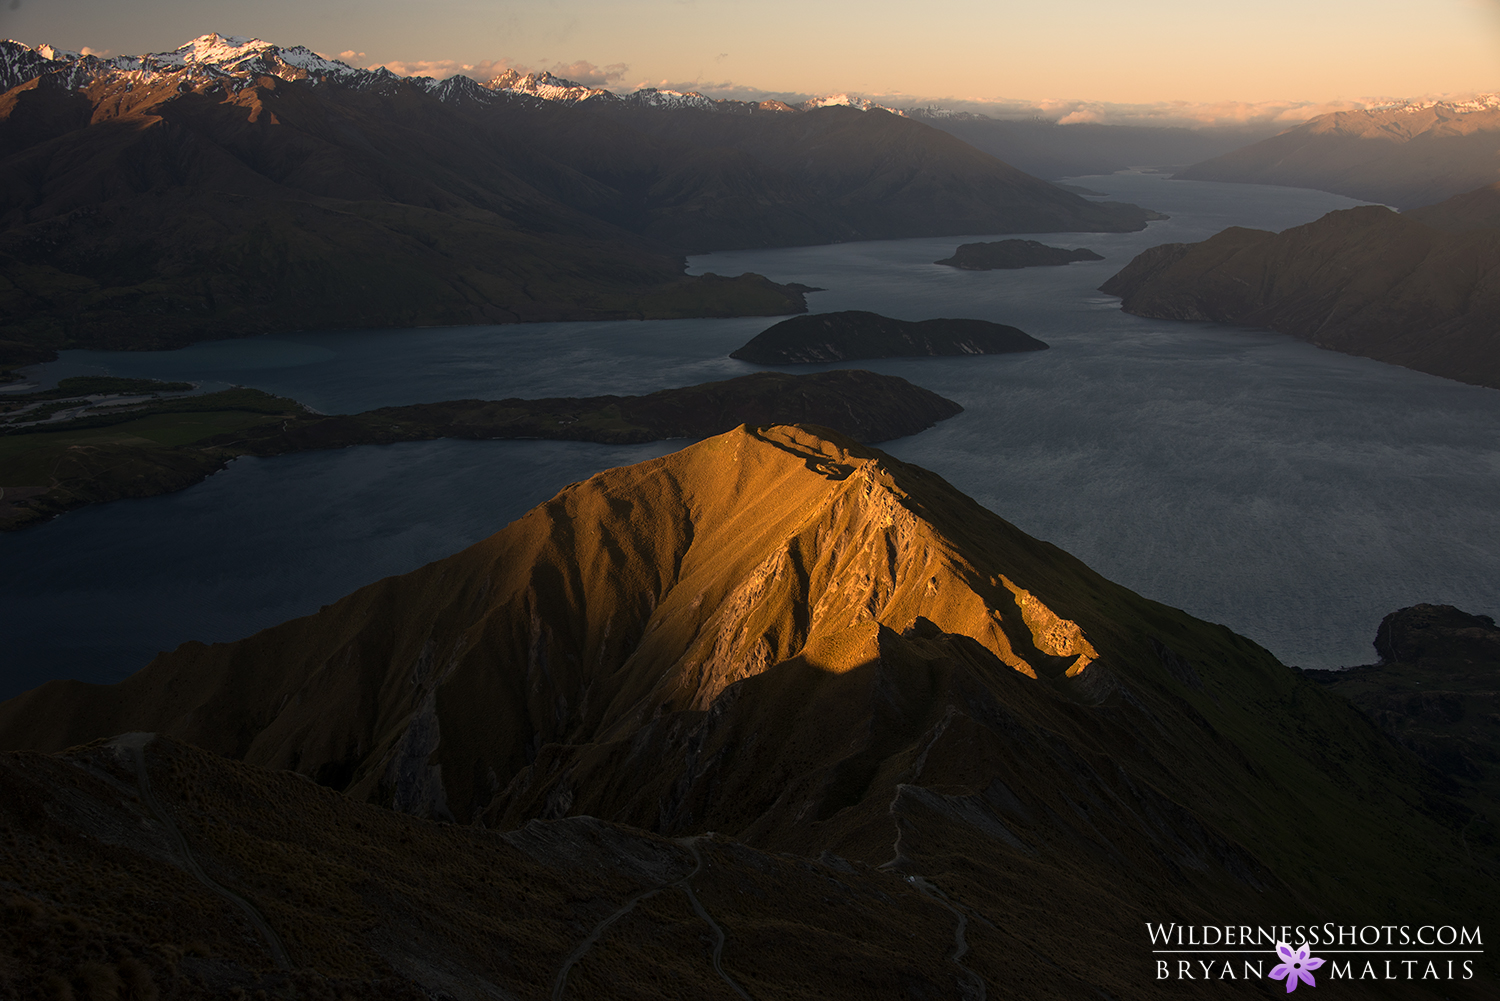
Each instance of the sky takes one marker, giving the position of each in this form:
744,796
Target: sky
1089,59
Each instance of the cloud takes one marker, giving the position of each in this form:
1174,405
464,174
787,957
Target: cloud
349,55
588,74
89,51
442,69
582,71
1166,114
725,90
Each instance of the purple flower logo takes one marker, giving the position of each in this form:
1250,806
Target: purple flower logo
1295,966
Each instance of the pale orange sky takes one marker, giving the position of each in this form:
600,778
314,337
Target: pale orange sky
1135,52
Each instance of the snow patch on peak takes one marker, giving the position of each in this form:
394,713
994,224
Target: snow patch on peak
1464,106
547,87
52,53
847,101
650,97
213,49
934,111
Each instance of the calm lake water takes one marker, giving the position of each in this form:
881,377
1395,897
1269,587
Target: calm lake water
1294,494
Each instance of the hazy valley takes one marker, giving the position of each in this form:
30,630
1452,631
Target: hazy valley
521,636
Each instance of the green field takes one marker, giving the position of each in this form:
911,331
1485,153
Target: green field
142,451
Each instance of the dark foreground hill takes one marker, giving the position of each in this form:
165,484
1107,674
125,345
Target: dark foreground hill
155,201
148,868
1403,156
1364,281
807,647
856,333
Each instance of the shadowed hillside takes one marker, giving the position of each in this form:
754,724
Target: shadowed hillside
1435,692
1364,281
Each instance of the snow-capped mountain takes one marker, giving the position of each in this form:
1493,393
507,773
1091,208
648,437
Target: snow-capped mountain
1479,102
843,101
234,55
547,87
240,61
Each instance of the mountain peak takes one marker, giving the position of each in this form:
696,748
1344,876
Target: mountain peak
846,101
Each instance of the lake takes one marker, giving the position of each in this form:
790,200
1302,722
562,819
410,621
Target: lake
1293,494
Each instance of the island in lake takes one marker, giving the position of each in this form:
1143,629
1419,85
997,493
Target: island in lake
855,333
1011,255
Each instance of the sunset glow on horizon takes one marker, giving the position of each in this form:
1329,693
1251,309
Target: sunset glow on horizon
1150,53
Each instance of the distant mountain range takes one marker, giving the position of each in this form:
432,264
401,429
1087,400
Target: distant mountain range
1050,150
232,186
1404,155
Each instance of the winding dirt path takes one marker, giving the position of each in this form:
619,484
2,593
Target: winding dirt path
974,988
691,844
135,745
685,885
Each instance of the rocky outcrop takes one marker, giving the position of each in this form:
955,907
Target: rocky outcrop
1364,281
855,334
1435,691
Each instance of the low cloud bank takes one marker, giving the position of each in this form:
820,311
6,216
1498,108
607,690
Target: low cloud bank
581,71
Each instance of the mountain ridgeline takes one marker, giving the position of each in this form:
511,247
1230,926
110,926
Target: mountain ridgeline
1406,155
234,187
